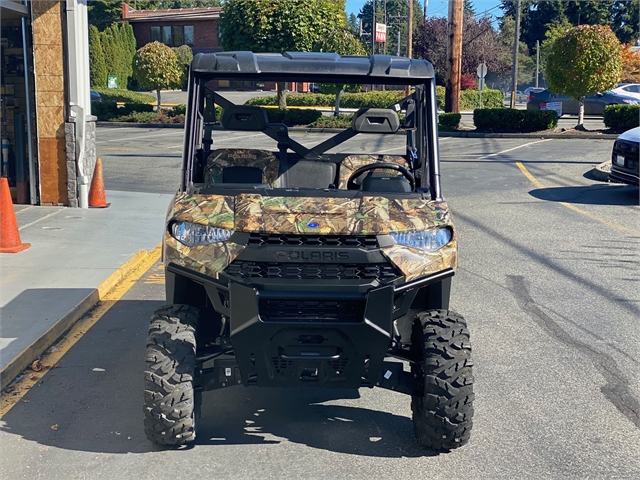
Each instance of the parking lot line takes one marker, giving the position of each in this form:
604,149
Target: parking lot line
570,206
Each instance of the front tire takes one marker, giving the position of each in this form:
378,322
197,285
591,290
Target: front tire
171,404
442,413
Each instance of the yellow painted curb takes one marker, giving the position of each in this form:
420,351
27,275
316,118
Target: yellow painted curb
29,354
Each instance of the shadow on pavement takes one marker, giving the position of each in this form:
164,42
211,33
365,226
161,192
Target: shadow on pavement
94,398
590,195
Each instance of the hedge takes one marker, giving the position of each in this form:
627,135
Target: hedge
511,120
449,120
123,95
108,110
293,117
470,99
374,99
622,117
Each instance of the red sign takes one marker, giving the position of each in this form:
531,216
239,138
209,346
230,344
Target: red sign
381,33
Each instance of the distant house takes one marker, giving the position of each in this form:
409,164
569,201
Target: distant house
196,27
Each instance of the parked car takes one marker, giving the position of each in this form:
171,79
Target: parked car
95,96
313,88
593,104
530,90
624,158
628,90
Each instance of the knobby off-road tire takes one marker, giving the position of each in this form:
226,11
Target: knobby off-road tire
171,405
440,345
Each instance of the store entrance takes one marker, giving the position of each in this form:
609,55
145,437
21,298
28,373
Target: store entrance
17,100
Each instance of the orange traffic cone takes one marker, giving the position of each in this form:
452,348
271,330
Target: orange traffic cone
97,197
9,235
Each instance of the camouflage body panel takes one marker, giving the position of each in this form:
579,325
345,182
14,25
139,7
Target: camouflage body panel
237,157
206,259
213,210
414,263
353,162
337,216
334,216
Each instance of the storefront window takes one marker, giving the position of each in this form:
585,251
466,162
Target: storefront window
177,36
173,35
166,36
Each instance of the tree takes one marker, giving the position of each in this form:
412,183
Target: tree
97,66
526,64
630,65
586,59
155,66
344,43
184,54
555,30
284,25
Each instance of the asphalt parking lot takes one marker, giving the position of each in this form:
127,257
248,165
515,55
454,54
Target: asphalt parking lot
548,283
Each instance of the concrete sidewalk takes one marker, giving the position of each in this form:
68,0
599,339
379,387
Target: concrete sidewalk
45,288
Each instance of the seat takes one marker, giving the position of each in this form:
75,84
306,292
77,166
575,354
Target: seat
310,174
221,159
396,184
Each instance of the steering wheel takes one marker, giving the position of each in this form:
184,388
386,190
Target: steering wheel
352,185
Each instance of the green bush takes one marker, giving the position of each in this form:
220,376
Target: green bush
329,121
510,120
622,117
293,117
180,109
108,110
123,95
470,99
449,120
375,99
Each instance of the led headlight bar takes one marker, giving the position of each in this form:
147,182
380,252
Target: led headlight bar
194,234
430,240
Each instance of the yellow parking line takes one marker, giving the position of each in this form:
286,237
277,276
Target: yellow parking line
49,361
615,226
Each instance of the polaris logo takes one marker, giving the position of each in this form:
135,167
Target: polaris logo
313,255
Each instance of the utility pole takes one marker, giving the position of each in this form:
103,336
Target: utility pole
426,4
454,57
373,28
516,43
409,39
537,61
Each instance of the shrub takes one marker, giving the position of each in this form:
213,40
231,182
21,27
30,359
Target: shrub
108,110
180,109
149,117
449,120
470,99
468,82
329,121
508,120
122,95
622,117
293,116
374,99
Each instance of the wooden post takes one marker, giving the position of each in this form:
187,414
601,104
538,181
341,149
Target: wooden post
516,44
454,57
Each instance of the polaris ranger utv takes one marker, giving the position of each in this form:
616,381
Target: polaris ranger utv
309,266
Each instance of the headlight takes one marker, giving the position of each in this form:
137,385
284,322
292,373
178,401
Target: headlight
429,240
194,234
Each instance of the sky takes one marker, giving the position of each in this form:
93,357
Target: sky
438,8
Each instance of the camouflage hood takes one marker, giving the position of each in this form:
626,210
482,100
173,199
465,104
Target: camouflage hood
320,216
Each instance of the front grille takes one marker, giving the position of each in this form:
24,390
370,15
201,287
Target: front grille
259,239
383,272
628,150
284,310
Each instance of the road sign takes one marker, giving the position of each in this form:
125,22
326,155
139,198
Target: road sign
112,81
381,32
482,70
557,106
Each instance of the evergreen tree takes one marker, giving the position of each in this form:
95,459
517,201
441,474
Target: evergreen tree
397,15
97,66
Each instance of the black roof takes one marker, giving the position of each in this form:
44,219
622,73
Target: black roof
313,66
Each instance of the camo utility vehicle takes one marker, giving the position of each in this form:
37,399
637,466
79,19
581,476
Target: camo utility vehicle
310,266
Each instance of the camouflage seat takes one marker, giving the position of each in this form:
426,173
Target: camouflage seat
238,157
353,162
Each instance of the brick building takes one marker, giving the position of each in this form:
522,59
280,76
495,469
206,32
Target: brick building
196,27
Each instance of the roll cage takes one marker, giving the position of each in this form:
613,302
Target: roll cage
419,108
